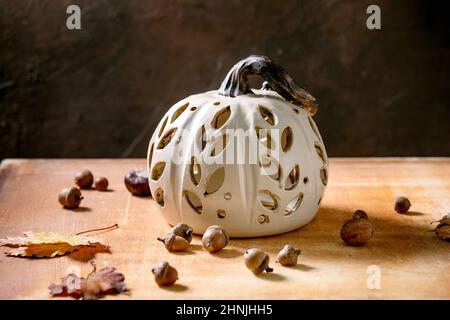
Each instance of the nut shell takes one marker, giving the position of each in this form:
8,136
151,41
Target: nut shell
288,256
402,205
84,179
165,274
357,232
136,181
215,239
70,198
174,243
101,184
360,214
257,261
183,230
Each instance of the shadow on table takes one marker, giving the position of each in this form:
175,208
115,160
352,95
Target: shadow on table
397,236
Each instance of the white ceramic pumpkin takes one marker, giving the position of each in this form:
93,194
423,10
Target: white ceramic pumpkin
271,186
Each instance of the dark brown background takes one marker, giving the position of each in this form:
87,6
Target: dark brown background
100,91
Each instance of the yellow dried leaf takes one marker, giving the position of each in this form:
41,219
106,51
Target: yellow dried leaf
48,244
43,250
50,237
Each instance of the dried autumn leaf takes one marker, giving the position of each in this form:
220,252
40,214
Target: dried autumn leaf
445,219
94,286
442,230
49,244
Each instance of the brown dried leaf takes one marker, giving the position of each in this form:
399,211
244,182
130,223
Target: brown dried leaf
443,231
48,244
96,285
445,219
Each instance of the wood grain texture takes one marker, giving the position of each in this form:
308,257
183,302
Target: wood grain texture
413,262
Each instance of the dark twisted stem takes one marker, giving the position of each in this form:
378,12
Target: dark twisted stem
236,81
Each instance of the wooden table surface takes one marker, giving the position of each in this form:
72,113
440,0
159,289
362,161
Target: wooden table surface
410,260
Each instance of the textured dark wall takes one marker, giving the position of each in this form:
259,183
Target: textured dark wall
101,91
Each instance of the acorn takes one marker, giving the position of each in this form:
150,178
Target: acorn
402,205
101,184
174,243
70,198
84,179
288,256
257,261
215,239
360,214
165,274
357,231
183,230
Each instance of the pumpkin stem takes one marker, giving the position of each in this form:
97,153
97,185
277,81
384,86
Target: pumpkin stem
235,83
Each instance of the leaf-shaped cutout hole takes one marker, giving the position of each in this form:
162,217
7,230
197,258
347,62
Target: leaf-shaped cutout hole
167,137
267,115
218,145
295,110
268,200
195,171
202,138
221,117
178,112
264,137
216,103
163,126
324,175
193,200
293,178
294,204
159,197
270,167
319,150
158,170
286,139
214,181
150,155
313,127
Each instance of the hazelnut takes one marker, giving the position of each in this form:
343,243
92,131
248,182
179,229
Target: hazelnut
215,239
165,274
360,214
174,243
84,179
70,198
257,261
101,184
357,231
288,256
183,230
136,181
402,205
